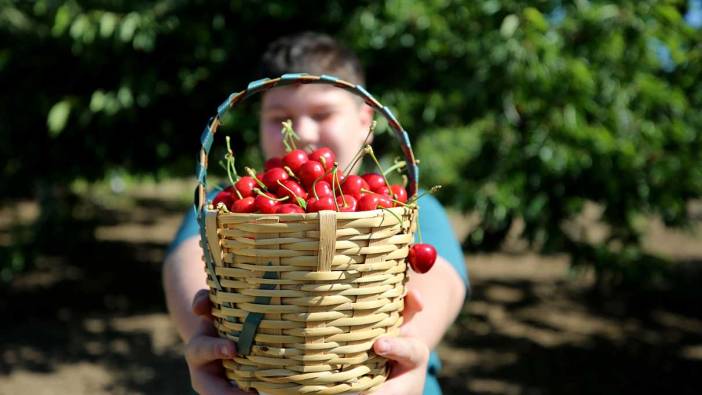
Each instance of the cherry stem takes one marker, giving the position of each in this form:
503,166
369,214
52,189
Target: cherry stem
433,189
238,194
314,185
229,174
358,156
231,168
230,158
290,172
371,130
419,229
289,136
399,164
360,153
223,165
261,193
335,176
300,201
251,172
369,151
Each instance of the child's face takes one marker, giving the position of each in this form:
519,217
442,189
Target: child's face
322,116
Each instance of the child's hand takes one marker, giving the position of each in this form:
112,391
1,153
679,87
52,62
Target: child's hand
409,355
204,353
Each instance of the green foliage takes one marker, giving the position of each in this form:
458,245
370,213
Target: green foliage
530,110
521,109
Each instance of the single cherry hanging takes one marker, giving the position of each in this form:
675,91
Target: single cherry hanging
421,257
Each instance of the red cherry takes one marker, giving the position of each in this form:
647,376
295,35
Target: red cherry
368,202
328,178
399,193
421,257
322,188
382,190
384,201
374,180
245,205
289,208
273,162
245,186
291,188
310,171
225,197
323,203
266,205
353,184
294,159
347,203
272,176
326,153
312,204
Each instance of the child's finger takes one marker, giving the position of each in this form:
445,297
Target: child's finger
203,349
201,303
408,352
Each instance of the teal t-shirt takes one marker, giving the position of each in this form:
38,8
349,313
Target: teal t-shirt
436,230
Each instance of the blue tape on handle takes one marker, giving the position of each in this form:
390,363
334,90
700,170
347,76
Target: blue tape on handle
404,139
206,140
329,78
256,85
365,92
292,76
201,173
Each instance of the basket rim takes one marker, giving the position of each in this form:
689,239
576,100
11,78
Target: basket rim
399,210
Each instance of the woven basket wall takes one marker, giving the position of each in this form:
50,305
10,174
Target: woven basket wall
335,283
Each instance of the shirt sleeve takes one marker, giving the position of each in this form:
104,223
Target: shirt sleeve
188,226
436,230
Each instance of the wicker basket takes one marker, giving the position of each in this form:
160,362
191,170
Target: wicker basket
304,296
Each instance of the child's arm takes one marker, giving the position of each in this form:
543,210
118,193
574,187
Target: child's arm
432,303
183,276
442,292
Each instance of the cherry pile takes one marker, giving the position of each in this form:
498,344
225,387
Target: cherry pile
302,182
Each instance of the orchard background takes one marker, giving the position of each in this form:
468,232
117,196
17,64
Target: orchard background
567,136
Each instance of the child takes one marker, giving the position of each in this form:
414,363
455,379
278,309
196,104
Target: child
322,116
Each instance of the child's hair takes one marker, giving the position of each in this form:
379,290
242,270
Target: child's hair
313,53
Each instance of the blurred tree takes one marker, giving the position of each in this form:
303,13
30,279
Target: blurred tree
103,84
522,109
530,109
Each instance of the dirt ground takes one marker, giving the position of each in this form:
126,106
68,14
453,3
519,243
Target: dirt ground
92,320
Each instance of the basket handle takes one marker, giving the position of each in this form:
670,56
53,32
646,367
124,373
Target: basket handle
265,84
